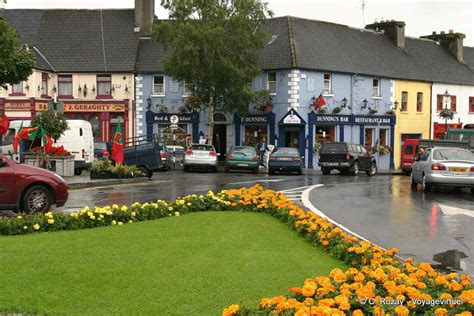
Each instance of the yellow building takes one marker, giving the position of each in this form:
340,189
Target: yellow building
413,113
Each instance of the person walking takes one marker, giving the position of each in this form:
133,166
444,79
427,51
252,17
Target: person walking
262,148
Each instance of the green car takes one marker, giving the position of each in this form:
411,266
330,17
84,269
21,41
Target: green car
242,158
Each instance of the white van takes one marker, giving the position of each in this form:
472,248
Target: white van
78,140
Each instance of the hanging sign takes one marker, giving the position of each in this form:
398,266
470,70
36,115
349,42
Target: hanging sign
292,118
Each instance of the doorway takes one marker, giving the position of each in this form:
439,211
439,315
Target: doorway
292,136
219,140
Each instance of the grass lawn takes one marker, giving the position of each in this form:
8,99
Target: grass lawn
195,264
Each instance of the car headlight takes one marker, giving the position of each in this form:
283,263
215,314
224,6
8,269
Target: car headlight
59,177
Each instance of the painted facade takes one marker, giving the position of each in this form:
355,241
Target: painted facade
413,113
103,112
461,103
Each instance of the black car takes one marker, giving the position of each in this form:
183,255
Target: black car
347,158
285,159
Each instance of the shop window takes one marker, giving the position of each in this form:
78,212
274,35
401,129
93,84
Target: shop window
254,134
271,84
173,136
325,134
159,85
104,85
44,84
65,86
439,102
383,137
95,122
471,104
376,88
327,84
369,137
419,102
404,107
453,103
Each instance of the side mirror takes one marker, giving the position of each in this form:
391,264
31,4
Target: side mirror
218,154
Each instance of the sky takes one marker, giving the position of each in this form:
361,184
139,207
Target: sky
422,17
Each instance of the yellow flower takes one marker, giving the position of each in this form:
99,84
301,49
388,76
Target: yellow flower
114,222
231,310
309,289
133,214
92,217
115,206
124,208
51,221
19,217
441,312
176,214
36,226
25,227
170,208
130,221
120,223
188,204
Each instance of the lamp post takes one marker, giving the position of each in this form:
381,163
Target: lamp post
364,103
446,98
148,101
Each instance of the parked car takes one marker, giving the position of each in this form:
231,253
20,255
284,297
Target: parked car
409,155
242,158
99,149
176,153
29,189
347,158
285,159
444,166
165,157
200,156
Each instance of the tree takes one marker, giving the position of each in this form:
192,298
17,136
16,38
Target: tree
54,123
216,45
16,61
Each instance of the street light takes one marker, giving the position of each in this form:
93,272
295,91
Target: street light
344,102
364,103
395,105
148,101
446,98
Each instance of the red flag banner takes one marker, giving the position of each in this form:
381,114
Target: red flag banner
319,102
4,124
117,146
24,133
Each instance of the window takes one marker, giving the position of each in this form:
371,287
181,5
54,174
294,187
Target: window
65,85
471,104
408,149
404,107
44,84
439,102
376,88
369,137
104,85
383,137
188,88
453,103
271,78
17,88
159,85
327,84
419,102
8,137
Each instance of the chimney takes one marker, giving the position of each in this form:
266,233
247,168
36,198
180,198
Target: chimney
394,30
144,14
451,41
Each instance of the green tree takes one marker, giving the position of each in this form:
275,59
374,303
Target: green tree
16,61
216,45
54,123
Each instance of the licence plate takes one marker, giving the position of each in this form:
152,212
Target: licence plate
242,165
331,164
284,159
458,169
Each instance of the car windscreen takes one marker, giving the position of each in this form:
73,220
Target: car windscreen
201,147
286,151
100,146
334,148
453,154
243,150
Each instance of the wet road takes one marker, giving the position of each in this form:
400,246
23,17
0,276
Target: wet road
382,209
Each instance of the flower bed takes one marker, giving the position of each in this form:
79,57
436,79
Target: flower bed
375,276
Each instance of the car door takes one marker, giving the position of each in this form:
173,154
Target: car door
420,165
364,158
7,184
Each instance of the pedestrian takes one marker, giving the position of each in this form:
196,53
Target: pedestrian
262,148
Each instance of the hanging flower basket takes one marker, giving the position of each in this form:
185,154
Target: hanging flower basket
322,110
446,114
383,150
336,110
372,111
162,108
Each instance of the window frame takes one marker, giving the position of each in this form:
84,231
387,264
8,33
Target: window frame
372,134
18,93
471,105
439,102
378,86
101,81
419,102
272,92
327,91
453,102
162,93
44,85
65,96
386,137
185,90
404,103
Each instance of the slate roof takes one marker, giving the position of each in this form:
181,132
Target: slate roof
79,40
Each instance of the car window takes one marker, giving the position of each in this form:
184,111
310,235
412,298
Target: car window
408,149
364,151
334,148
243,150
424,156
359,149
286,151
201,147
452,154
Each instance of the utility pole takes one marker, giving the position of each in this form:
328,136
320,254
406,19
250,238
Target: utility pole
363,13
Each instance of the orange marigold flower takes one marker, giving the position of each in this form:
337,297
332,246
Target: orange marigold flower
231,310
467,296
359,277
445,296
357,312
378,311
402,310
329,302
296,290
455,286
309,289
325,243
441,312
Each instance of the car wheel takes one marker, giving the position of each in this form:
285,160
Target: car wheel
326,171
300,172
372,171
414,185
37,200
426,186
145,171
355,169
77,171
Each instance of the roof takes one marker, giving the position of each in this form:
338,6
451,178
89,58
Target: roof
150,56
79,40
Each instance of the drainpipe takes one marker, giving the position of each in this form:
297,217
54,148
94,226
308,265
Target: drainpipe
431,109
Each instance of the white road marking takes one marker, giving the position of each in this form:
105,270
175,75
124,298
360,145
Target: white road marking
294,194
256,181
451,210
298,189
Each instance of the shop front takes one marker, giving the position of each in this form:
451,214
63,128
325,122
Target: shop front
374,132
253,129
173,128
291,132
439,129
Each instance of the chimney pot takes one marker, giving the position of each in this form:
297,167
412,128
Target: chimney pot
434,33
442,32
451,32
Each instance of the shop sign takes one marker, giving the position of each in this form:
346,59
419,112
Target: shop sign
372,120
172,118
354,119
94,107
17,106
255,119
333,119
292,118
41,106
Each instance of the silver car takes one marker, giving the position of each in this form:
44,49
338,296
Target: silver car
447,166
200,156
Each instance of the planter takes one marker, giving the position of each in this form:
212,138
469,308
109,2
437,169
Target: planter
100,175
63,166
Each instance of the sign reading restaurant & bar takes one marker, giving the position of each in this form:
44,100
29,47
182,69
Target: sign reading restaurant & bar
354,119
94,107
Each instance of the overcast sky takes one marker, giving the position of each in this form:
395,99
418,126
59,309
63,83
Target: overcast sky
422,17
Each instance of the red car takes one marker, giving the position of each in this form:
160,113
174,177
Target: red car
409,155
29,189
